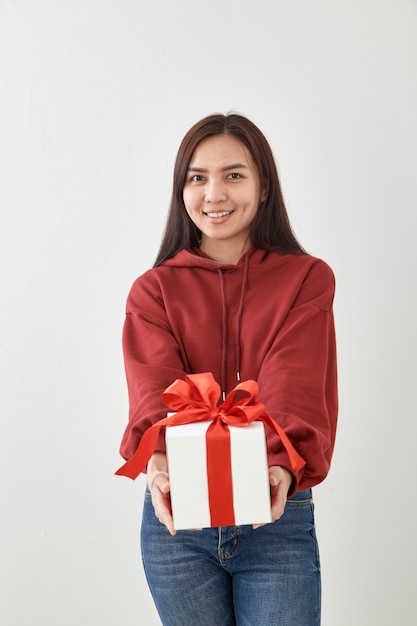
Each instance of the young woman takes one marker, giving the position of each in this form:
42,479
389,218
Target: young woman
233,293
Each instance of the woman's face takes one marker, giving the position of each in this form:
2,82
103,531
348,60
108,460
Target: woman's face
222,193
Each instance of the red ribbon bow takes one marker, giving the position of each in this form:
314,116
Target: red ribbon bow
195,399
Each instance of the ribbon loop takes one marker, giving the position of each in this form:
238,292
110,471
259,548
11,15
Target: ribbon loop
197,390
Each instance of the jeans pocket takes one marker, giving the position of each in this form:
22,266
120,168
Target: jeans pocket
299,512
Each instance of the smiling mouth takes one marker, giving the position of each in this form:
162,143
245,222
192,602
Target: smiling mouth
219,214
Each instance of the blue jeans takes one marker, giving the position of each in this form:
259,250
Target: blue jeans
235,575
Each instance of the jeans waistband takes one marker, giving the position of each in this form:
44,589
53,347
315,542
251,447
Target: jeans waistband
302,495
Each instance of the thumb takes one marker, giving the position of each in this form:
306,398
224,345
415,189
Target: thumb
160,481
163,483
273,480
165,486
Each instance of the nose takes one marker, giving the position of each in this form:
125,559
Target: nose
215,192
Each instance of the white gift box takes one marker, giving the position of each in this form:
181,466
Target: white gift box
187,458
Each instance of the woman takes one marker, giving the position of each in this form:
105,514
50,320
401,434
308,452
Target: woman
233,293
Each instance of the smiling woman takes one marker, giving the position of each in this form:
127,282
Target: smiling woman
270,229
233,293
221,195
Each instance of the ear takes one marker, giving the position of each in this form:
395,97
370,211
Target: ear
264,192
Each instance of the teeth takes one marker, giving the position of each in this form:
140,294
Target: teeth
220,214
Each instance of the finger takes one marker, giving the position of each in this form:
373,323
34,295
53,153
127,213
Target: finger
165,518
161,500
278,501
163,514
159,480
273,481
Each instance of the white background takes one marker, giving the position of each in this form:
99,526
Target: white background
95,96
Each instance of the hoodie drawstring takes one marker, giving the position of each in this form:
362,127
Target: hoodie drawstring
224,333
239,315
238,325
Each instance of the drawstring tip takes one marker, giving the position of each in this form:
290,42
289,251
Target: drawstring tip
238,376
223,396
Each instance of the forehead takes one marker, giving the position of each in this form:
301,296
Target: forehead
219,151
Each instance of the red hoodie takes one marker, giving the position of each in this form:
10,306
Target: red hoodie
268,318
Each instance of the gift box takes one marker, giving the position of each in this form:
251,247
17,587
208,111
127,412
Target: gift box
216,453
239,491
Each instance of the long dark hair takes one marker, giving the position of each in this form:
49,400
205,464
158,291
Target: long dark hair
271,228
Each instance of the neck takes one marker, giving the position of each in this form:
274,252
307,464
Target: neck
224,251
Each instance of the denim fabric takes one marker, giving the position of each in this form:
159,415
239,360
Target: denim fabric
236,575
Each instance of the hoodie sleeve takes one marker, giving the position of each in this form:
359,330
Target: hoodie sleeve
298,379
152,362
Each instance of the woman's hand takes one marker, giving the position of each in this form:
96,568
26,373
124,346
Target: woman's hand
280,480
158,483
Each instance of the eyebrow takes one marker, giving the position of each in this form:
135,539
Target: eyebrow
233,166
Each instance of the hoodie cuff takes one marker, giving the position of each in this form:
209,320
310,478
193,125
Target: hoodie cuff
160,446
160,442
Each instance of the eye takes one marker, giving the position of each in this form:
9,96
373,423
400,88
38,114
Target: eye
196,178
235,176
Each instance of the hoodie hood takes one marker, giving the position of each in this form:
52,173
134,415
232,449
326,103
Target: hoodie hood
194,257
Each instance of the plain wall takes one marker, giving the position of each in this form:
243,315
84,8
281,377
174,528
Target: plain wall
95,97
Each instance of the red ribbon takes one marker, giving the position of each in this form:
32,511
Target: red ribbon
195,399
